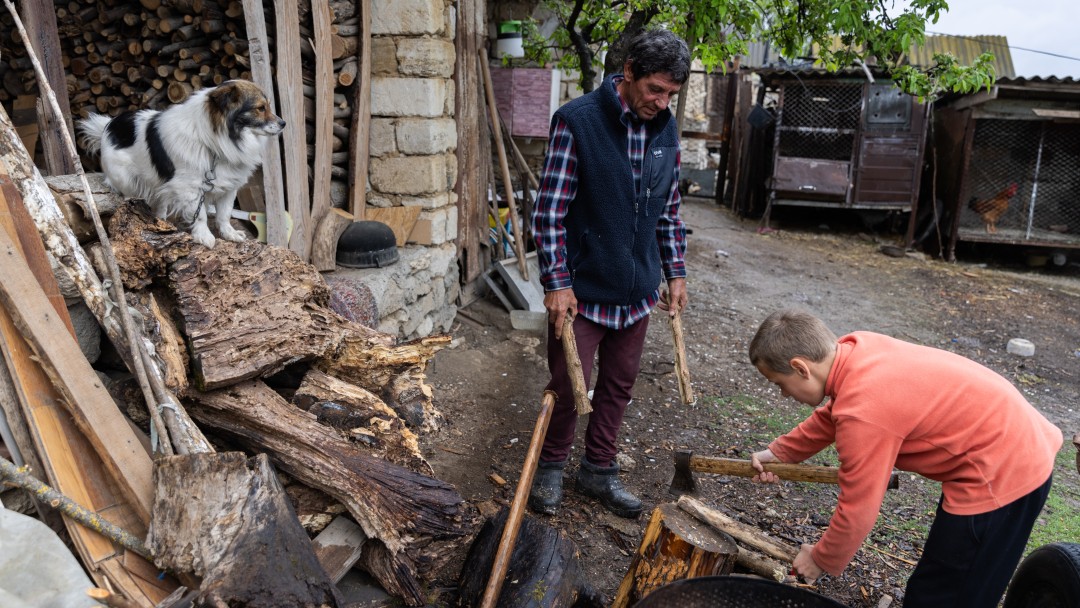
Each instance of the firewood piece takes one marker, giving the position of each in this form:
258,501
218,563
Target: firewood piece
242,511
674,546
144,245
414,522
544,561
364,418
762,566
324,247
338,547
249,310
393,371
740,531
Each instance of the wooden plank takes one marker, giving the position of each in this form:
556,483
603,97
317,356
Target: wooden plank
39,19
338,547
277,228
291,89
401,220
324,114
90,405
68,460
360,130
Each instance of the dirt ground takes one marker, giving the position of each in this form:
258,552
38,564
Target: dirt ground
489,384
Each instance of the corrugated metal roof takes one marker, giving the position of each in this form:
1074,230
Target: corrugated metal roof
965,48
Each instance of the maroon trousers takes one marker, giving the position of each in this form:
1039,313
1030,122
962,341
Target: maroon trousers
618,365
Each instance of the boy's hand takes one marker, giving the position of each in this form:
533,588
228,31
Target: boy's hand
805,566
756,460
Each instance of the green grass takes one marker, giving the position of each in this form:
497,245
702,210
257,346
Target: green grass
1060,519
768,421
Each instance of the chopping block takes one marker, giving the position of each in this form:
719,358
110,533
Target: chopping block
686,463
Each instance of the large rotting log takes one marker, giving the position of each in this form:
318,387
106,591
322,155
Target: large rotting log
240,535
545,568
414,522
70,197
675,546
144,245
249,310
395,372
363,417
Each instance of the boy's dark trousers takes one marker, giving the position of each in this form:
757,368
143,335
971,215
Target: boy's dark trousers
969,559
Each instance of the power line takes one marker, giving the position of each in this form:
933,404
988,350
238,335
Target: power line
1009,46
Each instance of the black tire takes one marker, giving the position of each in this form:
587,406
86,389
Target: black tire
1048,578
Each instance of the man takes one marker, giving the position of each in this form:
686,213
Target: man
608,232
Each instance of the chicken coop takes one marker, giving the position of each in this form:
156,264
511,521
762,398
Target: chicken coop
1007,164
843,142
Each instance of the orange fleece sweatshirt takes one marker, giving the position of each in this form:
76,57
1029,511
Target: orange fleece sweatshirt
925,410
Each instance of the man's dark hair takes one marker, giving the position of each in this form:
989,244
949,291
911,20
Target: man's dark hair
659,50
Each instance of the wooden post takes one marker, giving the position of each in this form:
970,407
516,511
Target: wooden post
324,114
519,234
290,87
674,547
277,227
360,144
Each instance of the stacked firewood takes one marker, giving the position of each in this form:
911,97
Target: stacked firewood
121,55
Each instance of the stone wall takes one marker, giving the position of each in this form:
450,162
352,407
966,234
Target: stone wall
413,163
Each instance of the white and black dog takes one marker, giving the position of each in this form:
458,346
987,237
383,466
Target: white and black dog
187,158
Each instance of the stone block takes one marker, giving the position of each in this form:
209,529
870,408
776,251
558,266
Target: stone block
426,135
407,16
383,56
382,139
409,174
435,227
427,202
425,57
408,97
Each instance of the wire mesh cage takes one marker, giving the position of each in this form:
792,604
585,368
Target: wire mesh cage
820,120
733,592
1023,185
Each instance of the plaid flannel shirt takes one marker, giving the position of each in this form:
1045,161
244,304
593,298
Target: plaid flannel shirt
558,186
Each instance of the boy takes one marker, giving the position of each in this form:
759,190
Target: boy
920,409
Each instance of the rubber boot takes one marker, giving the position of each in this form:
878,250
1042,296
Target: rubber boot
603,484
546,492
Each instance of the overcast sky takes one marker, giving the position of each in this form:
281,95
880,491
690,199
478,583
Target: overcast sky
1040,25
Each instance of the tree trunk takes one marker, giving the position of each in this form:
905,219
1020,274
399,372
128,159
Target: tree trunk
674,547
363,417
144,245
414,522
240,535
249,310
545,568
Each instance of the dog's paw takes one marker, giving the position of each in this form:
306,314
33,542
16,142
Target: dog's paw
203,236
232,234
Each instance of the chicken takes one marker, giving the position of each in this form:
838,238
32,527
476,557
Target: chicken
991,209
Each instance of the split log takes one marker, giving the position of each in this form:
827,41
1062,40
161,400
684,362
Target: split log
545,567
415,523
68,191
327,234
249,310
395,372
738,530
241,512
363,417
144,245
674,546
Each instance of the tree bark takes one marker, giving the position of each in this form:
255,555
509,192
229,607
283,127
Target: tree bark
414,522
674,547
144,245
241,535
363,418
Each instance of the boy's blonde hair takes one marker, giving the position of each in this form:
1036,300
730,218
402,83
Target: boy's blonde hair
790,333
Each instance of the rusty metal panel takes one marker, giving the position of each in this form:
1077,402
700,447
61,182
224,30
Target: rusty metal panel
807,176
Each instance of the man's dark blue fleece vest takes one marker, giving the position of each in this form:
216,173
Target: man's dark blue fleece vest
611,245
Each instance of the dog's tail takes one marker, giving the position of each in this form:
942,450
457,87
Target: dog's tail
92,130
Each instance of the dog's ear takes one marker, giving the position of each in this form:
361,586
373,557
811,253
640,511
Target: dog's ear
223,97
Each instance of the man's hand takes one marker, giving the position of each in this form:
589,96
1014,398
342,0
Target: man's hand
805,566
757,460
674,298
559,304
